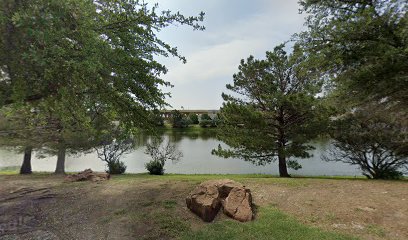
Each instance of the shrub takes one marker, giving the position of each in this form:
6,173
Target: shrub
178,120
160,153
155,167
374,141
205,123
390,174
116,167
112,146
205,116
193,118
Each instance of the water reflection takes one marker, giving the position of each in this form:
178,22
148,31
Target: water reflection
196,147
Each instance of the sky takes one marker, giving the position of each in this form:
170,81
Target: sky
235,29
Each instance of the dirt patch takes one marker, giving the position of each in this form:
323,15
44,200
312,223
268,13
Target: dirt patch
45,207
21,212
369,209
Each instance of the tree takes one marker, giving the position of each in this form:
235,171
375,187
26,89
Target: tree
372,140
362,46
20,131
26,165
178,120
160,153
112,146
70,56
215,121
156,118
205,116
205,120
274,111
65,136
77,59
193,118
9,138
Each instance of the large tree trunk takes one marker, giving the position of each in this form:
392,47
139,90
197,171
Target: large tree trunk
61,161
26,166
283,169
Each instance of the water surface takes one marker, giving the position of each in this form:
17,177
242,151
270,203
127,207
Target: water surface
197,159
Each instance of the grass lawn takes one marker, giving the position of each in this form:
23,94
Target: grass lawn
140,206
270,224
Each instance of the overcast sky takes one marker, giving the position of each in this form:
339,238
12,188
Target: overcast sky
235,29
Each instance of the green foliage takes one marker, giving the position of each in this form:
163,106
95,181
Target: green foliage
362,46
277,112
75,56
111,145
205,123
293,164
20,129
155,167
25,130
72,67
372,140
205,116
215,121
193,118
157,118
116,167
178,120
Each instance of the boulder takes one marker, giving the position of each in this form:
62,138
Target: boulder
204,201
88,175
207,199
225,186
238,204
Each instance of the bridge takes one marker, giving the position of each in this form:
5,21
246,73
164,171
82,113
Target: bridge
167,113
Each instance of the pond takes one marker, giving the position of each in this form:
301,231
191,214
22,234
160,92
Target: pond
197,159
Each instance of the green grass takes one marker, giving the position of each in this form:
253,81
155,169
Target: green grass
169,225
169,204
270,224
198,178
163,218
376,230
258,178
9,170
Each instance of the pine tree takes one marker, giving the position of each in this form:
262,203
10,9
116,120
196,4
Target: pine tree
274,111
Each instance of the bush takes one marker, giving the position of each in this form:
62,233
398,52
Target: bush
372,140
160,153
155,167
116,167
193,119
178,120
390,174
112,146
205,116
205,123
214,123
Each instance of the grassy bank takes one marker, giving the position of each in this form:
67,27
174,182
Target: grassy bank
141,206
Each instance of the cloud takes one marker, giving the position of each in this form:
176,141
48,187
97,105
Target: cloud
233,42
234,31
216,61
